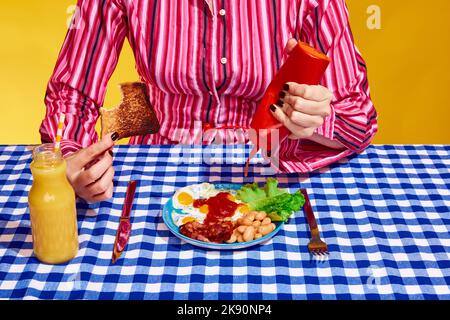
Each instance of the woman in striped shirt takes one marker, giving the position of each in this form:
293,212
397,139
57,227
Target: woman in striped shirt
209,62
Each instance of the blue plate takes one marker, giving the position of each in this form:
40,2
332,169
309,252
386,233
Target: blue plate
167,215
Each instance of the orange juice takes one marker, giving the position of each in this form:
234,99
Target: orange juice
52,208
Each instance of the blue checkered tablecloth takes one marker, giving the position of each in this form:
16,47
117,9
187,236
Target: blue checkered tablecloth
385,215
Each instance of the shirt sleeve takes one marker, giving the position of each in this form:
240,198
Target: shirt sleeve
353,120
85,64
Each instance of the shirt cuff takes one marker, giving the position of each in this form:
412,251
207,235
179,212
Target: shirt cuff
302,156
327,128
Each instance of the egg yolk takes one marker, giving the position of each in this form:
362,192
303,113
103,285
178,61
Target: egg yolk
203,209
244,209
188,219
185,199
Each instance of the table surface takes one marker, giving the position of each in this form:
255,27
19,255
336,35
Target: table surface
384,214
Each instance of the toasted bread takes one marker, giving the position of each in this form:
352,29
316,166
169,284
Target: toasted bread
134,116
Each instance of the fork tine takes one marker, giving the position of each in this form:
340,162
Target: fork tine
316,245
320,251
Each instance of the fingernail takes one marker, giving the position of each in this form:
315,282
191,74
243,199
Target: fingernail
269,153
273,108
286,87
111,153
280,103
115,136
282,94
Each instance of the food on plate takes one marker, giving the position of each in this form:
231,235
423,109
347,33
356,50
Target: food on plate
252,226
205,213
213,224
191,202
134,116
278,203
217,232
184,198
220,207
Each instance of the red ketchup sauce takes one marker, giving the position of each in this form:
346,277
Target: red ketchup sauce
214,228
219,207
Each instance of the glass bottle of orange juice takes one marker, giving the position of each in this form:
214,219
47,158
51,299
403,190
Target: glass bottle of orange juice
52,207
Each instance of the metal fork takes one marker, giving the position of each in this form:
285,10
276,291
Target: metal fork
316,246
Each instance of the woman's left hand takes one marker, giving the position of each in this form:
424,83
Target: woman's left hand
302,108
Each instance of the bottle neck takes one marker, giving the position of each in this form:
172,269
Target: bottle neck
48,166
46,156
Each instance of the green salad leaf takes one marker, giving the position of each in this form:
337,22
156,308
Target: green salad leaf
271,188
278,203
251,192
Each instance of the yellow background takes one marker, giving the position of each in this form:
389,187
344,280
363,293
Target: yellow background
408,60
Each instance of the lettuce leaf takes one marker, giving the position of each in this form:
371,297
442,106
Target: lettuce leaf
271,188
281,207
276,202
250,192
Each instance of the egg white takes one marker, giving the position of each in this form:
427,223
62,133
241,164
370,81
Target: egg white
178,218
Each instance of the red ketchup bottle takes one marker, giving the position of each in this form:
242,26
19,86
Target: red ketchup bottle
305,65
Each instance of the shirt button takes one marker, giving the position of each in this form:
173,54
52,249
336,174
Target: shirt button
222,12
224,60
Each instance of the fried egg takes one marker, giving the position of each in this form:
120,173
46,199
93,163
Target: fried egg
180,218
183,201
243,209
204,190
184,198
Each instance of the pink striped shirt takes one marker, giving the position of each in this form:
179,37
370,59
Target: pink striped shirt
209,62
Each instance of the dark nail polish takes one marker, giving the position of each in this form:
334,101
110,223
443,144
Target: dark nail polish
286,87
111,153
280,103
269,153
282,94
273,108
115,136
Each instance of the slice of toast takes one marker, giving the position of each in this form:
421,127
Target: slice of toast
134,116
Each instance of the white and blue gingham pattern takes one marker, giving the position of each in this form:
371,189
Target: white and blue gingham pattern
385,215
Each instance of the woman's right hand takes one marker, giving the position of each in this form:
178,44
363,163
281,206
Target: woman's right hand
90,171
